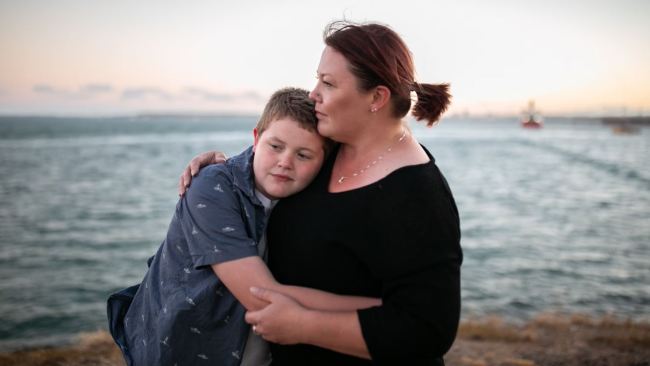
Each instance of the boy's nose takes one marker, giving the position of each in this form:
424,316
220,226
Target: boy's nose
285,161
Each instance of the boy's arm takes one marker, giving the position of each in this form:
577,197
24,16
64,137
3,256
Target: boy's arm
210,215
242,274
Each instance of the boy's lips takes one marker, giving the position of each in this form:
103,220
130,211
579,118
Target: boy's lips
281,177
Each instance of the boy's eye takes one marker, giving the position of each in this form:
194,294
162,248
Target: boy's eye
303,156
275,146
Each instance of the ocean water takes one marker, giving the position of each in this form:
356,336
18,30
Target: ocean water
555,220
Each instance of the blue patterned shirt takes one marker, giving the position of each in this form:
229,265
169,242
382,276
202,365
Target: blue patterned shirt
182,314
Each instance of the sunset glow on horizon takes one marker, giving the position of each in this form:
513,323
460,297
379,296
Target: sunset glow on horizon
104,58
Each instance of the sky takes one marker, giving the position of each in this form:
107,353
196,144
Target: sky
120,57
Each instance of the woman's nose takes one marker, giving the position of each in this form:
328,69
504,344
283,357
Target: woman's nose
314,95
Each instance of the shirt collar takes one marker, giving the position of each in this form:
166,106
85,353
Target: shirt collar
265,201
241,166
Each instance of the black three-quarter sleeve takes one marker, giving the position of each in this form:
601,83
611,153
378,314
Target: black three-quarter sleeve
417,257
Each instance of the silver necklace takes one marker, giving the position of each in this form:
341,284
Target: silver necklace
374,162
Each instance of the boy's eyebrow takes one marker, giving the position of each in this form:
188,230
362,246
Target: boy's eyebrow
282,141
276,138
308,149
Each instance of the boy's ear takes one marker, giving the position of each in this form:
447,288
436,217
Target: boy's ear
256,138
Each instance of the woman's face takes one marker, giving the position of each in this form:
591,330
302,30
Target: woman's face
341,108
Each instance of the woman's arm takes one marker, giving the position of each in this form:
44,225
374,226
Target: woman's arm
242,274
377,332
284,321
230,253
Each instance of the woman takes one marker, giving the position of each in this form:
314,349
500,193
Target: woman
379,220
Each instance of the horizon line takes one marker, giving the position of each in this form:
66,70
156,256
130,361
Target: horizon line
200,114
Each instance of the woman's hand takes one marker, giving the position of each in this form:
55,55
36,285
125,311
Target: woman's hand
280,321
199,161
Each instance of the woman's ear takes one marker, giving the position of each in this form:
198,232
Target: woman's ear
380,97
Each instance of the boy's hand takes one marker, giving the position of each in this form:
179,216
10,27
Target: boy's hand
280,321
199,161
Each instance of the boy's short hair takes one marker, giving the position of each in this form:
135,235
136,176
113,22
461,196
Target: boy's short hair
292,103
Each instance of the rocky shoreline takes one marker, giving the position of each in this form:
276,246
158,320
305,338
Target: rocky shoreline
545,340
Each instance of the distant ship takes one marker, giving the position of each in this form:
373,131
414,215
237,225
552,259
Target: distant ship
626,125
531,117
625,129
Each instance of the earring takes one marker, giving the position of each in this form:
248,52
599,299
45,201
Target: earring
373,109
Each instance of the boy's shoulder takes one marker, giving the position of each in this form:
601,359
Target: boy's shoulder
214,171
235,172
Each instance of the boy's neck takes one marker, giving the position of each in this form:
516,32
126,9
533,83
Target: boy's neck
266,201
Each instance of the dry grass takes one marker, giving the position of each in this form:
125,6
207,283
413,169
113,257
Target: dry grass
548,339
96,349
493,329
552,339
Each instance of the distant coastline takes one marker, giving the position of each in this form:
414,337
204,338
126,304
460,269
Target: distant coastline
606,119
639,121
137,116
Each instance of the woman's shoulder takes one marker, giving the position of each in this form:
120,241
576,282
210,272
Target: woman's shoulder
417,173
421,184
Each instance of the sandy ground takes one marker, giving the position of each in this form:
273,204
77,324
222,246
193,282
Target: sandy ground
546,340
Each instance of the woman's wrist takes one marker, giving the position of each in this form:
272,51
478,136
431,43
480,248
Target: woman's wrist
335,330
306,325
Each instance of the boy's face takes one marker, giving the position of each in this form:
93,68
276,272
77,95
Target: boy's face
287,158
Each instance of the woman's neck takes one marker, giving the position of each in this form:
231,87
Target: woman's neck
371,157
371,142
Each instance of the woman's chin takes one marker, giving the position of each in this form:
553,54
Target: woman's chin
325,131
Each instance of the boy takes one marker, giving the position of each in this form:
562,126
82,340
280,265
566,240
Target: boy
190,307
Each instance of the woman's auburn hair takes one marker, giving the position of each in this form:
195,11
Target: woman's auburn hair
378,56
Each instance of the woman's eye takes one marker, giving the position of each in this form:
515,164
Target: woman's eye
322,80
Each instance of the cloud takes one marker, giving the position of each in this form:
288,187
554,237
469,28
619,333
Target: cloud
48,89
96,88
208,95
202,94
189,97
84,91
221,97
144,92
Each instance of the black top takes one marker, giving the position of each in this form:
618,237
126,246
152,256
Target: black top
398,239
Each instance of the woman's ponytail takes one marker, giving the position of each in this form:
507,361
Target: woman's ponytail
433,100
